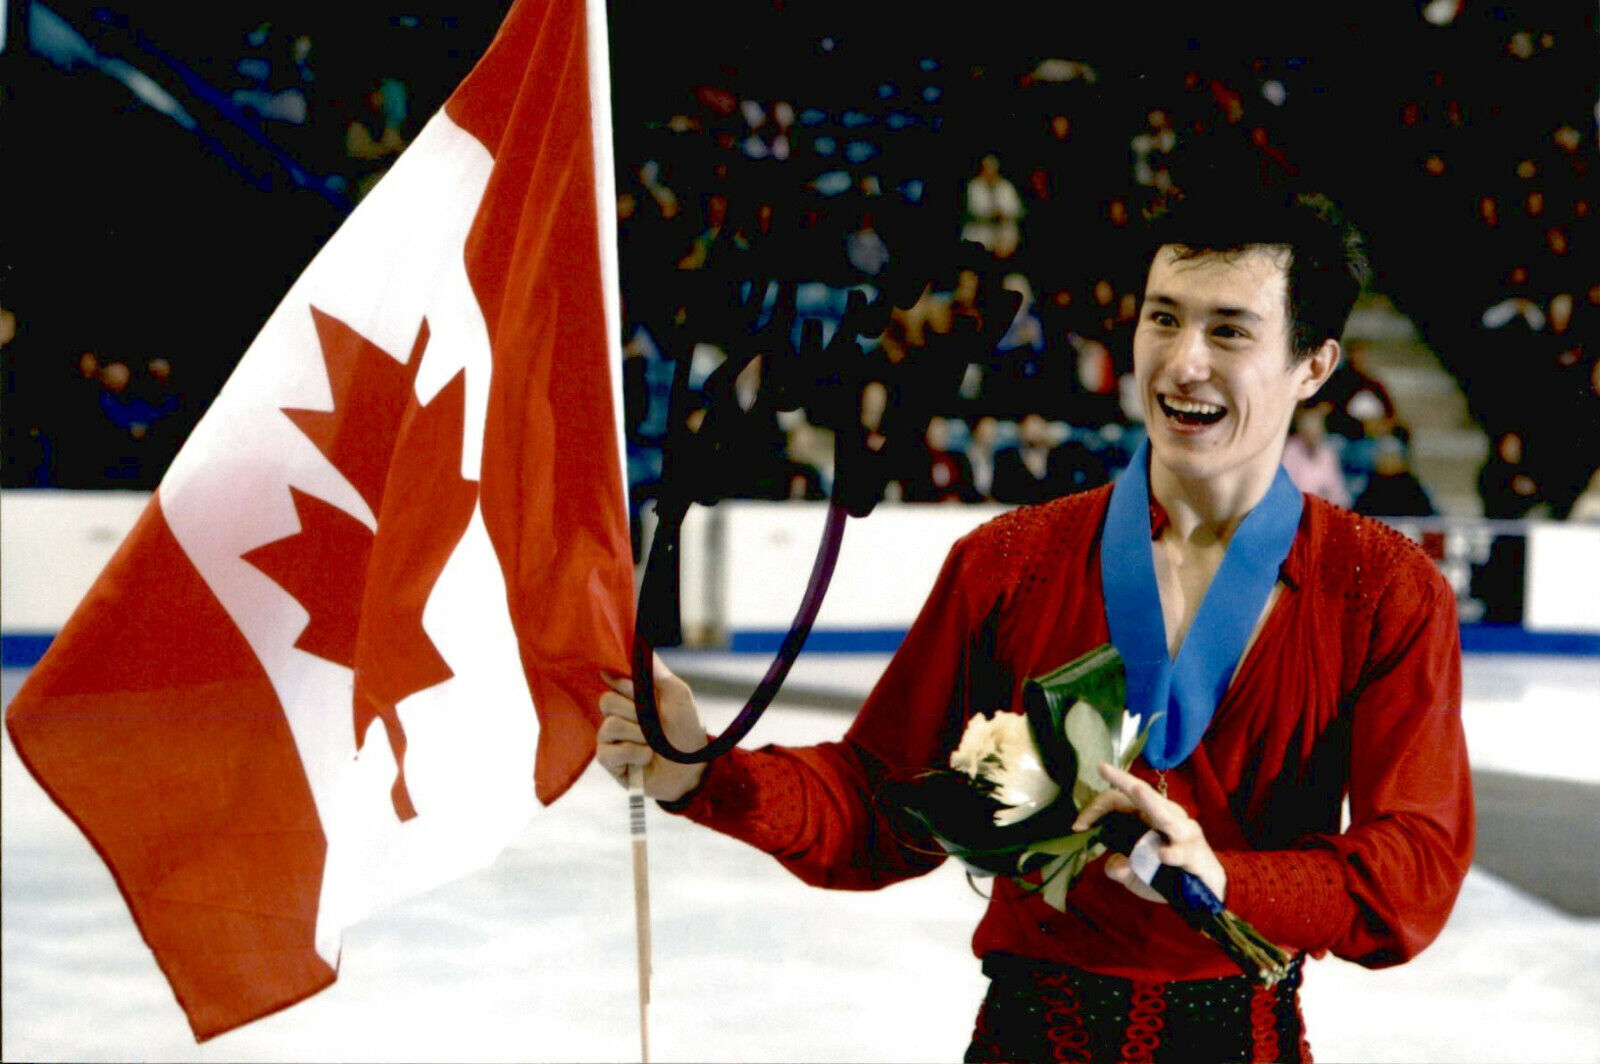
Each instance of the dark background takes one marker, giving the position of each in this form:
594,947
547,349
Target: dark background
128,235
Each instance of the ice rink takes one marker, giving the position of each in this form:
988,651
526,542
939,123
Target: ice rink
533,957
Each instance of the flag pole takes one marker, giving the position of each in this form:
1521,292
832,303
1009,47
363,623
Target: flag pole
641,902
597,39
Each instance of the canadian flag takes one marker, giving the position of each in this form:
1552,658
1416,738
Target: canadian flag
373,596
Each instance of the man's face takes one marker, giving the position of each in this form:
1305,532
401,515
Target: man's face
1211,359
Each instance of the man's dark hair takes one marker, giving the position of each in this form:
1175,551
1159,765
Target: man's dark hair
1327,261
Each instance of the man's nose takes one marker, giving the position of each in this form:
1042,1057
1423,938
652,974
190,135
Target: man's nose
1191,357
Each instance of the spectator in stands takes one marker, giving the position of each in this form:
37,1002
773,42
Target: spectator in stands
993,210
756,234
29,392
1587,507
1311,460
1506,483
1393,490
865,248
981,443
1152,149
1360,407
372,137
707,243
1025,473
1569,416
1017,373
941,474
1077,466
808,457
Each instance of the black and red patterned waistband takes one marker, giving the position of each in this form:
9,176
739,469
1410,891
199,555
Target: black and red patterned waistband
1038,1011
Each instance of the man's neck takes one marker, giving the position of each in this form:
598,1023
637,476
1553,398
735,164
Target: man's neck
1205,512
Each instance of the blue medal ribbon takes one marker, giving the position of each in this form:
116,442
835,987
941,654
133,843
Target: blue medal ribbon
1186,692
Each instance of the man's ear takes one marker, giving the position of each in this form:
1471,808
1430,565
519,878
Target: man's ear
1317,368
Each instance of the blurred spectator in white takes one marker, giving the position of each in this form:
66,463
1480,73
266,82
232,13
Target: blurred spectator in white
807,473
1360,405
1393,490
981,443
1512,308
809,448
994,209
1587,507
1152,149
1060,71
1312,462
768,136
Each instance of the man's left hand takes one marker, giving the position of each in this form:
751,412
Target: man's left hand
1185,845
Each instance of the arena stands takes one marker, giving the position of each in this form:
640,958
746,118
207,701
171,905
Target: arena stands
764,146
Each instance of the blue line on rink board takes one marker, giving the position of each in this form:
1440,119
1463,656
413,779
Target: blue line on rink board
1513,639
820,641
20,650
23,649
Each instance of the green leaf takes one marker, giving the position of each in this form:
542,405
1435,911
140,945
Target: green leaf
1083,793
1087,732
1056,886
1096,678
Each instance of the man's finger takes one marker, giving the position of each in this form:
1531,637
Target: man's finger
1101,804
621,754
623,685
616,705
618,729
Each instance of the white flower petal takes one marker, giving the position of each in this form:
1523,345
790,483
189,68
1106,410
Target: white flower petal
1128,733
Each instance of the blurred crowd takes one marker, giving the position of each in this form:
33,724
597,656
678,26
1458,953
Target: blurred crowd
1051,172
745,185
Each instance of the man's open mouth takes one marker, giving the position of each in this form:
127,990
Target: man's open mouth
1190,411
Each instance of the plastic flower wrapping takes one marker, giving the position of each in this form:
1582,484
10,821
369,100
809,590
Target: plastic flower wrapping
1017,781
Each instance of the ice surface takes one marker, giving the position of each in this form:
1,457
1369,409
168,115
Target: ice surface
533,959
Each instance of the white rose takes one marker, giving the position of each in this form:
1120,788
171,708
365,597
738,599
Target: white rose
1000,749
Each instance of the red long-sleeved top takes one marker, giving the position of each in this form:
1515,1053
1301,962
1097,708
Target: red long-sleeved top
1351,689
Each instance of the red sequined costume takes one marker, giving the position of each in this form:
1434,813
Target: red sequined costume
1351,689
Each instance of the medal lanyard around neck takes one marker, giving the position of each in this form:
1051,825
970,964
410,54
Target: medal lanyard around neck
1186,691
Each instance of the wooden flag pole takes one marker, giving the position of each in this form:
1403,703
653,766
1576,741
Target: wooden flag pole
641,902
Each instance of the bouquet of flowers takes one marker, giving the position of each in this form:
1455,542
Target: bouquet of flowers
1017,781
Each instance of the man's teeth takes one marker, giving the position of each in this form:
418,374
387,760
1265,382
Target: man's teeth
1189,406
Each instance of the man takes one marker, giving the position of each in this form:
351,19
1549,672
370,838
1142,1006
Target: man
1327,648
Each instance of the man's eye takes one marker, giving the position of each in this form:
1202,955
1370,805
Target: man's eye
1228,332
1161,317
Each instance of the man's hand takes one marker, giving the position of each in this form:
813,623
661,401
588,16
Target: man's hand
1185,846
620,742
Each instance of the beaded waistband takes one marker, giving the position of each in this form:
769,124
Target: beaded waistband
1036,1010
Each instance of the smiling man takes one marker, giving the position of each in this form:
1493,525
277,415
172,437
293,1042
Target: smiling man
1290,656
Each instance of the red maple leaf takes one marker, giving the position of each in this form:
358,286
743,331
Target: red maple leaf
323,566
371,393
366,591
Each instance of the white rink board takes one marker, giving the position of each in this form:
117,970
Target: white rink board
56,542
